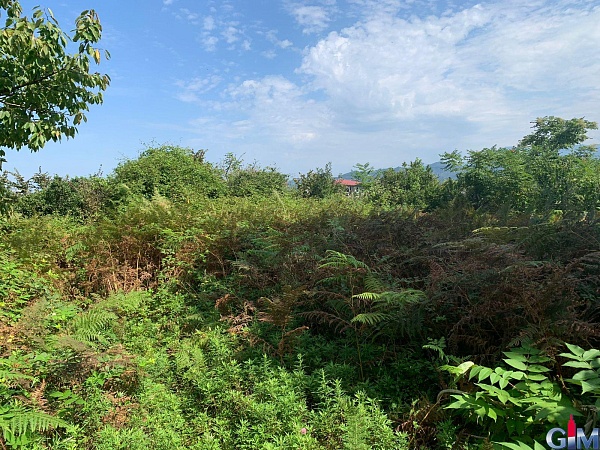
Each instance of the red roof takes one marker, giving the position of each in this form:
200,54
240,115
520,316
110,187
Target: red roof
347,182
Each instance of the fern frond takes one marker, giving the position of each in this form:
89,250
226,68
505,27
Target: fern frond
339,260
18,424
371,318
89,326
373,283
34,422
403,296
368,296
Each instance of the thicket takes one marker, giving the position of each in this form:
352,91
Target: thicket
216,307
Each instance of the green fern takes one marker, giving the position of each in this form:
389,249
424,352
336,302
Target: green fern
339,260
19,425
91,326
371,318
393,311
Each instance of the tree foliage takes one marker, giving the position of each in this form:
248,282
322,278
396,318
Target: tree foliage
555,133
545,173
252,179
317,183
174,172
414,185
44,91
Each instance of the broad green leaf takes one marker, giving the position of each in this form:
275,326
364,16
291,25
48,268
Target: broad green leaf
590,386
492,414
519,365
537,368
536,377
575,349
591,354
484,373
586,375
515,445
577,364
464,367
516,356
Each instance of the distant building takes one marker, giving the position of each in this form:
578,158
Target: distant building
352,187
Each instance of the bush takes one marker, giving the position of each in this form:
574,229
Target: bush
174,172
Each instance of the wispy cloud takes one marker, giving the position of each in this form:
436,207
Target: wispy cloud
188,15
423,83
476,63
192,90
271,36
313,18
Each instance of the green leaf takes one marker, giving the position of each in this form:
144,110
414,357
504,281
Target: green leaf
577,364
586,375
537,368
590,386
516,445
591,354
494,377
516,356
484,373
464,367
536,377
575,349
519,365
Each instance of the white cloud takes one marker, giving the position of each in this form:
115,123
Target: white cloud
192,90
389,89
209,23
278,108
231,34
474,64
189,15
167,2
269,54
271,36
313,18
210,43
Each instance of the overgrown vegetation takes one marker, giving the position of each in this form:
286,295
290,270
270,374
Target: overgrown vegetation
179,304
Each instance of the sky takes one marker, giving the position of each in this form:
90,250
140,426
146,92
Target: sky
296,84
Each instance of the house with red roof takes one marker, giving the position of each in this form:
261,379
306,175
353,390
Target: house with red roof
352,186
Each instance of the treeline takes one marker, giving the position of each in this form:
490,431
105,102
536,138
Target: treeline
547,173
181,304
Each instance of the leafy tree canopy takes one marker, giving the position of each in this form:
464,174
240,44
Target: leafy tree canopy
44,91
249,180
534,177
554,133
414,185
174,172
318,183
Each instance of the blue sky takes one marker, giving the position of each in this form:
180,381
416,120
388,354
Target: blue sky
299,83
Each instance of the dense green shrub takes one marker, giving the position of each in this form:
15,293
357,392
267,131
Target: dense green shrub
413,186
318,183
251,179
174,172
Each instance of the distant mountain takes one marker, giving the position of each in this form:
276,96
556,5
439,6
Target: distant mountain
442,174
436,167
